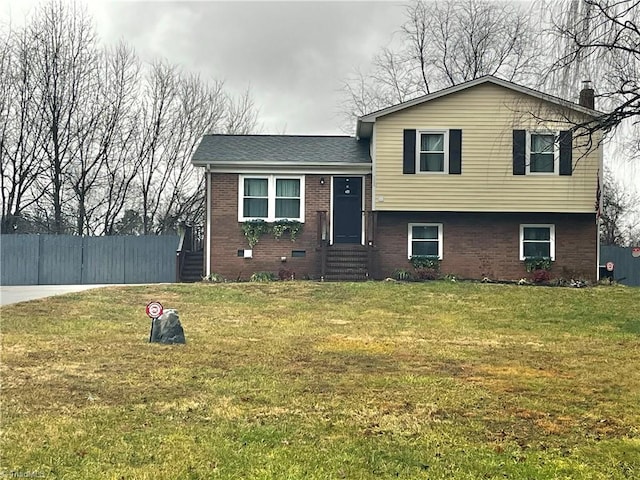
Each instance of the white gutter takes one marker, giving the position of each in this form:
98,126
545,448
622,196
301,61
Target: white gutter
207,269
321,168
372,153
599,212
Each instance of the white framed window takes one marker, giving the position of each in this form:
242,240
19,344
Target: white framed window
537,240
270,198
432,151
425,239
255,198
543,153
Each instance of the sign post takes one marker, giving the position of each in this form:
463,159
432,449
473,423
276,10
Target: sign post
154,311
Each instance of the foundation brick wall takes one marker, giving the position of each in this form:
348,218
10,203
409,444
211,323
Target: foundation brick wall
227,237
487,244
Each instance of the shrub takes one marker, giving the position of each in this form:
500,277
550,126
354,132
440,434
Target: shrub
284,274
402,275
541,276
214,278
425,261
427,274
537,263
560,282
427,267
263,277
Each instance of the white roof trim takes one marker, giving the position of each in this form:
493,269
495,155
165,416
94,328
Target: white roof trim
293,168
213,164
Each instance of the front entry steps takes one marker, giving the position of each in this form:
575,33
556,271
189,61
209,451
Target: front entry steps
346,262
192,267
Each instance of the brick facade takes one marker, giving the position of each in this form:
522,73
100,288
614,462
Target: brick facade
476,245
227,237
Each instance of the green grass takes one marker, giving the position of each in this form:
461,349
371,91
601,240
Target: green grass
301,380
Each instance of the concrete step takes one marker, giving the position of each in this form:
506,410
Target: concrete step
330,277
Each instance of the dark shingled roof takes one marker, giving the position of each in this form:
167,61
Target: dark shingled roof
270,149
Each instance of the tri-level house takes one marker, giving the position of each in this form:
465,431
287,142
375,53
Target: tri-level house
482,175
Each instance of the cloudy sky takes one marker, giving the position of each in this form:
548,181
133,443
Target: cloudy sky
293,55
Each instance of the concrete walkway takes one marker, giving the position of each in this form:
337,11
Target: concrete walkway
24,293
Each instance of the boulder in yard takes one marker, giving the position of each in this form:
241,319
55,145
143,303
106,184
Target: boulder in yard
167,329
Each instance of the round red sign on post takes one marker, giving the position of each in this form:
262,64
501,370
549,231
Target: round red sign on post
610,266
635,252
154,309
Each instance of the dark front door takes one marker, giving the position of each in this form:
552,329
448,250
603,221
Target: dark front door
347,209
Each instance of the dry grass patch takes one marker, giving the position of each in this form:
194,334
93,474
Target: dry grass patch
310,380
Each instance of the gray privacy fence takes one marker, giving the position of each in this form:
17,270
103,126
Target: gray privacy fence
71,260
626,266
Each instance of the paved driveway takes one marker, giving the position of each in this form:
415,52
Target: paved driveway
23,293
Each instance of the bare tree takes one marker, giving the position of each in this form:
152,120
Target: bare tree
617,224
601,39
444,44
89,142
91,132
64,54
362,95
201,109
177,110
460,40
242,114
21,130
103,168
121,164
155,116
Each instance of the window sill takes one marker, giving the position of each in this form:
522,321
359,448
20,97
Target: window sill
269,220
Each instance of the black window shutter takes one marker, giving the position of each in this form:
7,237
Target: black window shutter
455,152
519,146
409,152
566,152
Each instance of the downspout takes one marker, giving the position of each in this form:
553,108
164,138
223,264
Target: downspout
599,211
207,268
372,153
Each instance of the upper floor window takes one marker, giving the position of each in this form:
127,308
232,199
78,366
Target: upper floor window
433,152
537,240
270,198
425,239
543,153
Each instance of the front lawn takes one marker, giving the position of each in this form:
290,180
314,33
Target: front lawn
302,380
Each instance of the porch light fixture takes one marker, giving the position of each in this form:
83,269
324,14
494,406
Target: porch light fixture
321,180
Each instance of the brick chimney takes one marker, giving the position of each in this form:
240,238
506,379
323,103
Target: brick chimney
587,95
